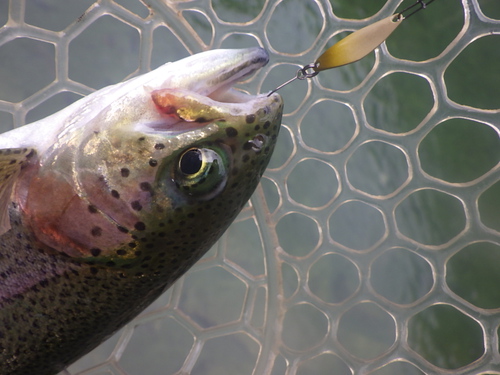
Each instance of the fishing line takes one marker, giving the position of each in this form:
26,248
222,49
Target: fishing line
356,45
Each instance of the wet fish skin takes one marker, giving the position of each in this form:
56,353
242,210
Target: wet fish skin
107,208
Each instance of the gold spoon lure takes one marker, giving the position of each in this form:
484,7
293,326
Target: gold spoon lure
357,45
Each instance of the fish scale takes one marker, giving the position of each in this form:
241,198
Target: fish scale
69,307
108,217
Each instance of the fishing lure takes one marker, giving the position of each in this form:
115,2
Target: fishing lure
357,45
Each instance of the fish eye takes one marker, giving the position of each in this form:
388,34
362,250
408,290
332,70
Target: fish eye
201,172
191,162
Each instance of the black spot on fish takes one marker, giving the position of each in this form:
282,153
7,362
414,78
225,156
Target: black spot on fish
95,252
250,119
146,186
125,172
92,209
247,145
115,194
231,132
122,229
110,264
96,231
121,252
140,225
159,146
245,158
132,245
93,270
13,161
267,124
153,162
136,205
44,283
141,139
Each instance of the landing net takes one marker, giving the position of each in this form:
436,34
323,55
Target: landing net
372,245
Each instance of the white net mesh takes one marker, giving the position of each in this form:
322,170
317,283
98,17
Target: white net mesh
371,246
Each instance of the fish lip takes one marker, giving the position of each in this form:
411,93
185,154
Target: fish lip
252,60
206,80
200,91
214,73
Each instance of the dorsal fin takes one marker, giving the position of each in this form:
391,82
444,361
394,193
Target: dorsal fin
11,162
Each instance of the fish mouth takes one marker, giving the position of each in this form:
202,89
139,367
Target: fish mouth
214,73
201,89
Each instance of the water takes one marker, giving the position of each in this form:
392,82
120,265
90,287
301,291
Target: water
371,245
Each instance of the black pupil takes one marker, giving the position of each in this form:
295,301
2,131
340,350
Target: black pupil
191,162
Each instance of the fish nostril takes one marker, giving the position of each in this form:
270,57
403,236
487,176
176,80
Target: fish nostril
258,142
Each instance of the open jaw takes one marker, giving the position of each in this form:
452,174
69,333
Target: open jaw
213,73
223,90
202,91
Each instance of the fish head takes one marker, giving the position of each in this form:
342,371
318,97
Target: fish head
154,178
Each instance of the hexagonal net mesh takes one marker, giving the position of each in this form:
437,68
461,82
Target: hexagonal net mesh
372,244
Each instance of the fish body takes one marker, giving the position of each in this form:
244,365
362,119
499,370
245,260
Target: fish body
108,202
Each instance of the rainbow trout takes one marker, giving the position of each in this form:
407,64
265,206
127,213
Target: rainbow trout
105,204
